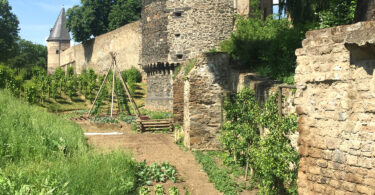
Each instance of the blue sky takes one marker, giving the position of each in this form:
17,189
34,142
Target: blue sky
37,17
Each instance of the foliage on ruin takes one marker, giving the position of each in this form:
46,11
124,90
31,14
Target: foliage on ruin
339,13
93,17
313,14
266,46
257,137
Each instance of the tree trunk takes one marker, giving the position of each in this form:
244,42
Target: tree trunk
365,10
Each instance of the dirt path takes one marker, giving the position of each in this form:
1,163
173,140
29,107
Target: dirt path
154,148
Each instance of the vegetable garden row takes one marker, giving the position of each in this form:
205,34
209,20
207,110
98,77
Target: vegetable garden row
43,87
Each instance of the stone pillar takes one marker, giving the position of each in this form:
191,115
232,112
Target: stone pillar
335,99
203,97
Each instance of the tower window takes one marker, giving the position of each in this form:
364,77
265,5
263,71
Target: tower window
57,51
179,56
178,14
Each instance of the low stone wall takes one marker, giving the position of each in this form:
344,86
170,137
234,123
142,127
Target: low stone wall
126,41
336,102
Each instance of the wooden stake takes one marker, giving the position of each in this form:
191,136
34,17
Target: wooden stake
100,89
113,86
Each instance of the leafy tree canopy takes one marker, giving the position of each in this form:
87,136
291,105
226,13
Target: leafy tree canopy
96,17
8,31
28,55
320,13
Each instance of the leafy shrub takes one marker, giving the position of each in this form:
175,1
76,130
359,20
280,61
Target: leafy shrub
273,159
159,190
144,190
173,190
266,45
132,75
128,119
340,12
31,92
156,172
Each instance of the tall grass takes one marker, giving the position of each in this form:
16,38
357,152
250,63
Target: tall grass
42,153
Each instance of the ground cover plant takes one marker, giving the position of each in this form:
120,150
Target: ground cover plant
217,175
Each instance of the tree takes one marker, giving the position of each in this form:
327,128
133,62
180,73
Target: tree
29,55
124,12
8,31
320,13
96,17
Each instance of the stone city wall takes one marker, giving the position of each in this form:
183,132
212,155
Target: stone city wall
336,101
95,53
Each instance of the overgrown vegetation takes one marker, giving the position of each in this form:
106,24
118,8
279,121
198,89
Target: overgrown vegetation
255,136
41,153
268,45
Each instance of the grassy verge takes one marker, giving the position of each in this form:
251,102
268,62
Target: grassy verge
43,153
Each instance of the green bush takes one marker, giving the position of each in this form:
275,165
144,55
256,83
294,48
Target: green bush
31,91
267,46
273,159
132,75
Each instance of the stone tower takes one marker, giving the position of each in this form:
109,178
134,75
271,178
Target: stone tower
175,31
57,42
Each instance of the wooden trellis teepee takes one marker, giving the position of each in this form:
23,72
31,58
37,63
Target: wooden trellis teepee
125,86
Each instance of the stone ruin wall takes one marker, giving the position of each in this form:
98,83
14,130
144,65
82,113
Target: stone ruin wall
335,99
125,41
204,93
175,31
199,96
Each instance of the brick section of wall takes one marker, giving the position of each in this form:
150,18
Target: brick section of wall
95,53
335,99
204,92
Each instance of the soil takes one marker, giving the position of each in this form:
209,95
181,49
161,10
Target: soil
153,147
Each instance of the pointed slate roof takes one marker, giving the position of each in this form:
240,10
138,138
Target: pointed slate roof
59,32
